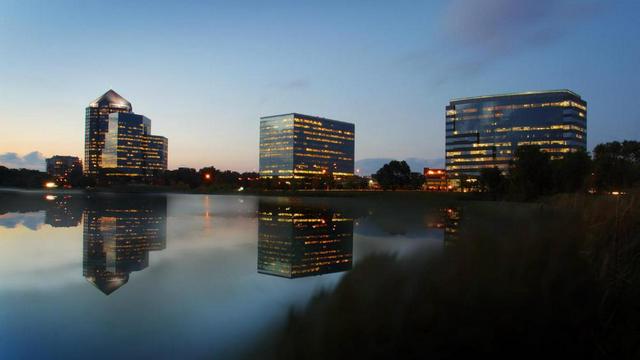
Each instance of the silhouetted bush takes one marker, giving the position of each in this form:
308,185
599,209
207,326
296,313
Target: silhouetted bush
22,178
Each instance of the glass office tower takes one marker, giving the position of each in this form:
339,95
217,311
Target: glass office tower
485,131
130,149
96,125
302,146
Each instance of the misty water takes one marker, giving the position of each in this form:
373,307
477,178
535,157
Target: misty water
183,276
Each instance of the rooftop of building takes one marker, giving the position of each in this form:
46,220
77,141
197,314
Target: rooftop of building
311,117
64,157
111,99
108,283
514,94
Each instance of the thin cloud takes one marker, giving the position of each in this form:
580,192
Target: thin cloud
476,35
296,84
34,160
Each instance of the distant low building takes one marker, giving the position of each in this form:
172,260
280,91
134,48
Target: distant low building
130,150
61,167
296,146
435,179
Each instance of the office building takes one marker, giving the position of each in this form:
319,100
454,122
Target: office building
435,179
485,131
301,146
96,125
300,241
130,149
61,167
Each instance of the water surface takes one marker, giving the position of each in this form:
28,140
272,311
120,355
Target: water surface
182,276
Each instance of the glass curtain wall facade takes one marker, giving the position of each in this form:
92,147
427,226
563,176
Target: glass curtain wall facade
155,153
96,126
301,146
299,241
485,131
129,148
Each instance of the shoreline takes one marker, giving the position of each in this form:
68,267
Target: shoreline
301,193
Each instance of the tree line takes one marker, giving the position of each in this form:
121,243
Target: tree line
532,173
614,166
22,178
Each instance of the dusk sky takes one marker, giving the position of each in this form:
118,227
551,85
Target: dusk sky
205,71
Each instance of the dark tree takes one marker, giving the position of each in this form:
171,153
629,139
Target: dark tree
531,173
22,178
183,178
416,180
616,165
394,175
570,173
492,181
75,177
355,182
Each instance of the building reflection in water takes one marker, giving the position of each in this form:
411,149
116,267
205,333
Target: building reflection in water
64,211
118,235
448,220
297,241
452,217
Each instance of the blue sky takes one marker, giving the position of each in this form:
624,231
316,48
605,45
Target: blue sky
205,71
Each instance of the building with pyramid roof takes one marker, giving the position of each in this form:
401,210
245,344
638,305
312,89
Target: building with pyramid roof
119,143
97,125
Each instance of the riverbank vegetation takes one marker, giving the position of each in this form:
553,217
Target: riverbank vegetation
615,167
22,178
556,278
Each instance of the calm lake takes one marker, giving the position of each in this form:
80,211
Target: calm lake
183,276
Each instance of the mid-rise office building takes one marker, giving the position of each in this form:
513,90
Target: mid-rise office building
96,125
130,149
61,167
485,131
301,146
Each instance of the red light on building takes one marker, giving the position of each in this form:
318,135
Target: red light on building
435,179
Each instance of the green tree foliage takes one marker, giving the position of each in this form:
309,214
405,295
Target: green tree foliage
616,165
531,173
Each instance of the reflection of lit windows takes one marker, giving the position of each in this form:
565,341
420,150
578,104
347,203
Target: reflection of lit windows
295,241
118,235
